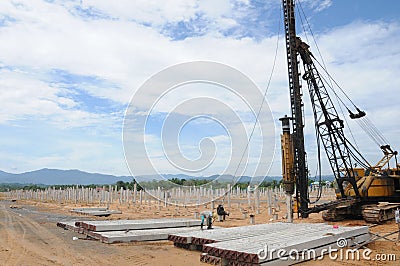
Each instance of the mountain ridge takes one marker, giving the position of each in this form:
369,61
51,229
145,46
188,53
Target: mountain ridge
48,176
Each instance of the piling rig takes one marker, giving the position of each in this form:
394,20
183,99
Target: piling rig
368,191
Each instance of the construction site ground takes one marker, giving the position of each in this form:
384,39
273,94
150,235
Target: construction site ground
29,236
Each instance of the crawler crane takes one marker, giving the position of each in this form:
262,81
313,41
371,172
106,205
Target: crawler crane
368,191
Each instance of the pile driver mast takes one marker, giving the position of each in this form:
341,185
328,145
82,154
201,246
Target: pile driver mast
298,175
328,125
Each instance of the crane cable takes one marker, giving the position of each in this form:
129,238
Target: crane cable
262,102
323,66
318,171
367,124
364,122
376,130
319,51
339,100
369,133
355,154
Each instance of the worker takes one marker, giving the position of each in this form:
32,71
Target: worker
206,216
209,221
221,211
202,221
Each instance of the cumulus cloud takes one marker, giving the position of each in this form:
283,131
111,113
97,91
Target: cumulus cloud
63,60
317,5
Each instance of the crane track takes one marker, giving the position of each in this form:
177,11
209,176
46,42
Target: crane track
376,213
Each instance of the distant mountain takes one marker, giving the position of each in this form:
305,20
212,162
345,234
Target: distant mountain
76,177
325,177
6,176
60,177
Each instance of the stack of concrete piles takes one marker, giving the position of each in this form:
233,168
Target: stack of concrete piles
96,211
270,244
196,240
118,231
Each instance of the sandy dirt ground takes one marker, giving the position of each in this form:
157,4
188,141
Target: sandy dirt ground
29,236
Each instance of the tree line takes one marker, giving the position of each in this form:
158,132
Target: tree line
154,184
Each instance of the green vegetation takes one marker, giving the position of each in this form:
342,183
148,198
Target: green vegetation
198,182
15,186
154,184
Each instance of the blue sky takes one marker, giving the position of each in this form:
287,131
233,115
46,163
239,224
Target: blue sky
68,70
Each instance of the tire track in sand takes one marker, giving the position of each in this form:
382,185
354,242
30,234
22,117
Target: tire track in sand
24,238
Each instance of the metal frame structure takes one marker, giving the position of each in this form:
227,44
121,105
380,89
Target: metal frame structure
328,123
296,103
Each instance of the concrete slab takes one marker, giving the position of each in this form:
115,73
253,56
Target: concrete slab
70,225
288,238
67,225
90,209
132,230
121,225
95,211
225,234
141,235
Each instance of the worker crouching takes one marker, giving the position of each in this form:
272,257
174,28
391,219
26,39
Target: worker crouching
221,213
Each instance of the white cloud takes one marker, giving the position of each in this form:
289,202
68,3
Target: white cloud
22,95
363,58
318,5
146,11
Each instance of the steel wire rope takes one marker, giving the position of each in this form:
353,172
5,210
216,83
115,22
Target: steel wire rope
338,99
262,102
329,76
367,125
323,66
318,171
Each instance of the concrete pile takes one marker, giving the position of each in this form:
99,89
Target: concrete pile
118,231
96,211
200,238
270,244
